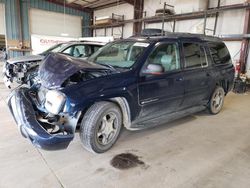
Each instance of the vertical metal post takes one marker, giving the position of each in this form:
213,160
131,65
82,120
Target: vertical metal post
122,32
105,31
20,25
95,24
245,42
205,23
174,26
91,23
112,32
163,19
216,18
144,23
138,14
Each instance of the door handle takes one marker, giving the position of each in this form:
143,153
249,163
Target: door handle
179,79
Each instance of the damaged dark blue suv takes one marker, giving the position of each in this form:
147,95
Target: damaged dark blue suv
137,83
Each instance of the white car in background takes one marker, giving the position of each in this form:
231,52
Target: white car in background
23,69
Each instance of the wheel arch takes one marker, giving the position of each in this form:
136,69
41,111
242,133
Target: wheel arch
125,109
224,84
121,102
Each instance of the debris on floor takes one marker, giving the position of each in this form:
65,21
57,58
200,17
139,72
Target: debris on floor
125,161
240,85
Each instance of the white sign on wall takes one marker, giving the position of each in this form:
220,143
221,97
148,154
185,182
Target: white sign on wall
40,43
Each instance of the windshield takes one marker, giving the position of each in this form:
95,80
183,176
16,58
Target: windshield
55,48
121,54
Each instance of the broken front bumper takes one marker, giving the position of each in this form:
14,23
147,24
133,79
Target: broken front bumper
21,107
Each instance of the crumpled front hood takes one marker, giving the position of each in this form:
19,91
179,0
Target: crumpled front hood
27,58
56,68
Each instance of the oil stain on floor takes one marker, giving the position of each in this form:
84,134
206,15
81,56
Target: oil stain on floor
125,161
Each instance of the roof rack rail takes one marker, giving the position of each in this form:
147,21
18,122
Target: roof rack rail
152,32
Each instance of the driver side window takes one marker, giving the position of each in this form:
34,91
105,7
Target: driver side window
166,55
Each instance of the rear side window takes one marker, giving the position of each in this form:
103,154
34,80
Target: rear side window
195,56
219,53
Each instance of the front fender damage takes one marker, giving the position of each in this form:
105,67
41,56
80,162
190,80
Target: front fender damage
40,131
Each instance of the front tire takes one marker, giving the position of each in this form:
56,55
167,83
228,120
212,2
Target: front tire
100,127
216,101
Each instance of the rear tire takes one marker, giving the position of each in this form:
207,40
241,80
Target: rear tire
216,101
100,127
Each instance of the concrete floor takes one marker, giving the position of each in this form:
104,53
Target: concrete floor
196,151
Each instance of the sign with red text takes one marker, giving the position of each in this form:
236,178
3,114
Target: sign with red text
40,43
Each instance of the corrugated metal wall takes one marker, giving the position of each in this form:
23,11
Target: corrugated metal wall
12,19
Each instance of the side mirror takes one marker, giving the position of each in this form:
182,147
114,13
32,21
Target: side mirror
153,69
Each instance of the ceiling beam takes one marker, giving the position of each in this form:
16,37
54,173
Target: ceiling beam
71,5
108,5
97,3
138,14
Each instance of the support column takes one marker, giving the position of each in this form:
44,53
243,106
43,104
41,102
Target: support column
138,14
245,42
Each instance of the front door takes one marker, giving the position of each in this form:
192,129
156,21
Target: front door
162,92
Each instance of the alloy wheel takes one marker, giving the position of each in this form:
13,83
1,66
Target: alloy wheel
107,129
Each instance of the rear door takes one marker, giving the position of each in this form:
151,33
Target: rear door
196,73
223,68
161,93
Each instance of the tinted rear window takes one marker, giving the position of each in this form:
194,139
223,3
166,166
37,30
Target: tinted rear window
219,53
194,55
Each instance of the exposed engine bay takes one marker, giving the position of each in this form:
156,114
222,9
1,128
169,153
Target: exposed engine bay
54,124
82,76
21,73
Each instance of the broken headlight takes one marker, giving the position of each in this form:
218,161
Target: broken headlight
55,101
